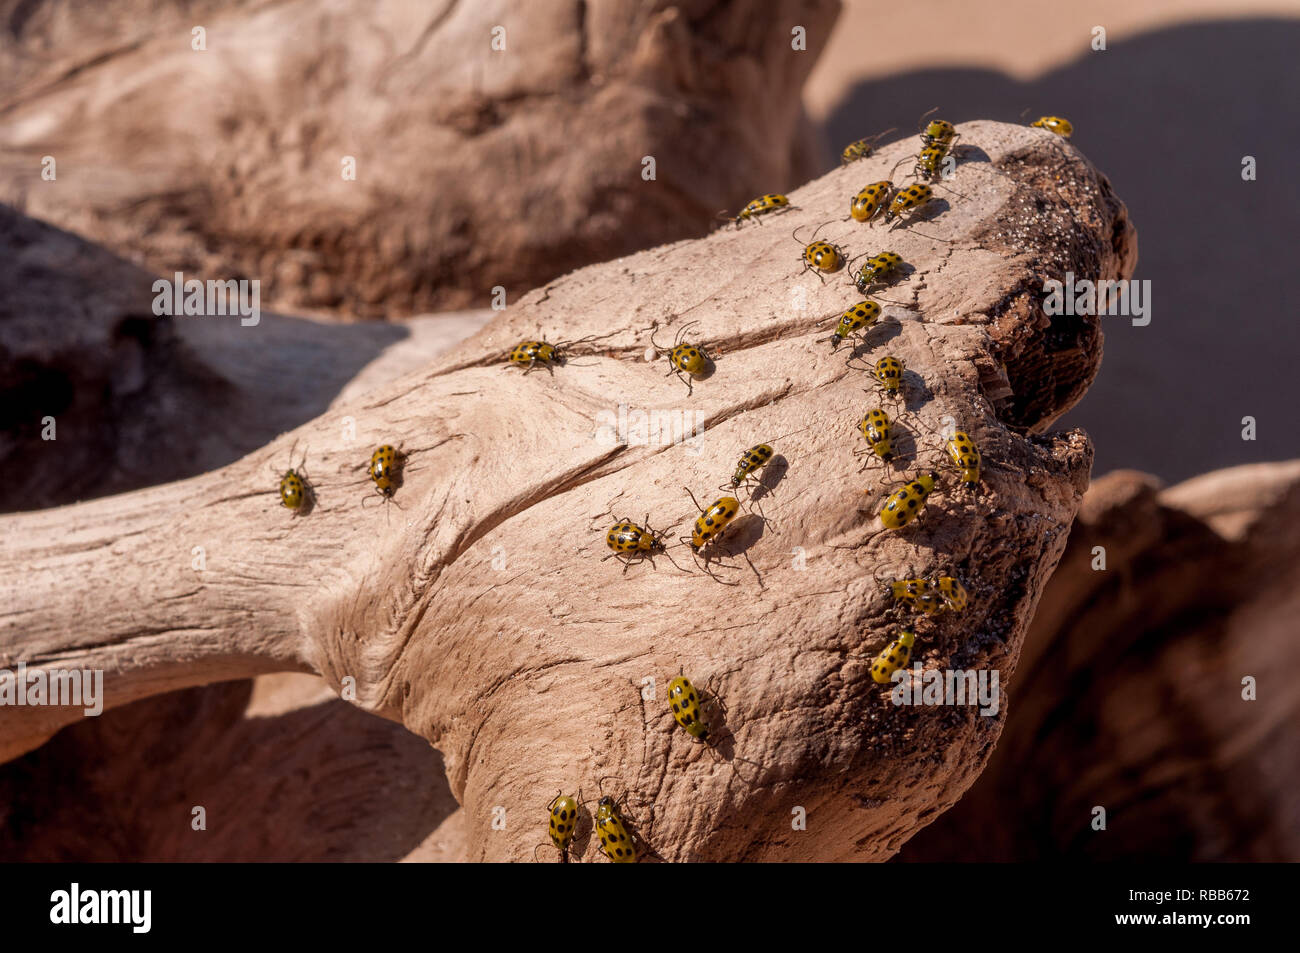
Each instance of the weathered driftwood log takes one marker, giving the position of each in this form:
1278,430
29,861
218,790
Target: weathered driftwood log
480,613
410,155
1131,692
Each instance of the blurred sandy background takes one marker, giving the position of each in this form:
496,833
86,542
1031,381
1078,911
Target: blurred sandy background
1182,92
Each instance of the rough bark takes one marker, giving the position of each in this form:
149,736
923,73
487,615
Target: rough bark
480,614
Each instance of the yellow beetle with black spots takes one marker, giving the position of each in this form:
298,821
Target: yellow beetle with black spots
862,148
763,205
751,461
385,469
293,491
876,428
906,590
685,359
860,317
615,838
563,817
930,602
530,354
687,708
909,200
954,594
965,456
632,542
864,206
1062,127
902,506
711,522
888,372
938,132
895,655
876,268
820,255
929,164
689,358
930,596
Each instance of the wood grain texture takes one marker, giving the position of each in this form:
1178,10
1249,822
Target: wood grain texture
480,614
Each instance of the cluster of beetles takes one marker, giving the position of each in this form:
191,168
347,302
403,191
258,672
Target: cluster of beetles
630,542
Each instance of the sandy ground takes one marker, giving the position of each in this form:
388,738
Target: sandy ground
1168,110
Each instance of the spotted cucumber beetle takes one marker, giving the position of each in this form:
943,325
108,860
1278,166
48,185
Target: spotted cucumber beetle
954,593
876,269
876,427
937,131
862,148
909,199
937,138
631,542
906,590
902,506
965,456
895,655
563,815
708,531
864,206
962,454
929,162
888,372
688,705
930,596
685,702
820,255
385,469
296,493
532,353
860,317
615,837
684,358
1062,127
753,460
772,203
293,492
711,523
918,593
529,354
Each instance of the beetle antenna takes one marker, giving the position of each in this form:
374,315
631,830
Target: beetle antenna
693,499
587,340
